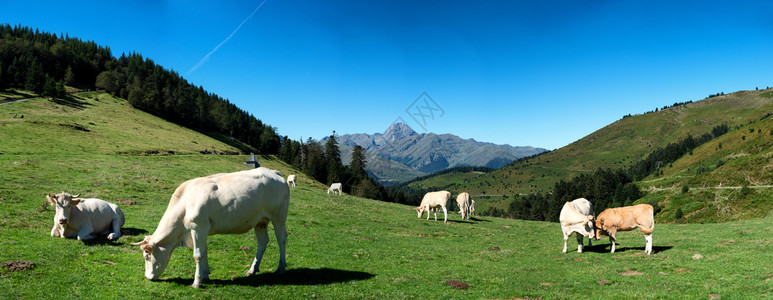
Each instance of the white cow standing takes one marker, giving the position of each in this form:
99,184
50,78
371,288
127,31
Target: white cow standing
433,201
229,203
577,216
83,218
291,180
463,201
335,187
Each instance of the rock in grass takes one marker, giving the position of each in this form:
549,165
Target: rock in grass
697,256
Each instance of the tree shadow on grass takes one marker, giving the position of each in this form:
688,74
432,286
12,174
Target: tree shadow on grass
606,248
302,276
71,102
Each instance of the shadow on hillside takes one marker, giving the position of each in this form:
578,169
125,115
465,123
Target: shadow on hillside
605,248
479,219
302,276
71,102
230,142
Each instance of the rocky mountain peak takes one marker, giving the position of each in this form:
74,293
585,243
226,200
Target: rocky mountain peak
398,131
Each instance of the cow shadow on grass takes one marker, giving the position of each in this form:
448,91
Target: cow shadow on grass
302,276
102,238
605,248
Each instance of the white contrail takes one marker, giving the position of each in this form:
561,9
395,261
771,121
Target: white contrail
206,57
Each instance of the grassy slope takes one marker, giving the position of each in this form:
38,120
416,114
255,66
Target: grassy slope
714,172
339,247
622,143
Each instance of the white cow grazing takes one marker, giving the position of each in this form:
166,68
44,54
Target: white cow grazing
229,203
334,187
472,207
577,216
463,200
434,200
291,180
83,218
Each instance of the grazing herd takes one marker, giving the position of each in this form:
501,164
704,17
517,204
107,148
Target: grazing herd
234,203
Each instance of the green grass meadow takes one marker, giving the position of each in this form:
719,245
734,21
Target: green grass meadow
339,247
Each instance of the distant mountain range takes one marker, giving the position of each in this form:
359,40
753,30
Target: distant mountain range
401,154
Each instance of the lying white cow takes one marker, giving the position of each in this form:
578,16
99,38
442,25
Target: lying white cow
434,200
83,218
291,180
334,187
577,216
463,201
230,203
612,220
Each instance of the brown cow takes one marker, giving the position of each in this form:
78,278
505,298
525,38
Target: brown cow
612,220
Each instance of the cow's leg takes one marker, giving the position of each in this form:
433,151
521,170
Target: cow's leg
648,247
116,230
566,237
445,214
579,242
85,233
55,231
261,234
280,231
199,235
612,240
589,241
435,212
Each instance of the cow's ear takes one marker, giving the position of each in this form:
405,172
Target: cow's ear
51,199
74,201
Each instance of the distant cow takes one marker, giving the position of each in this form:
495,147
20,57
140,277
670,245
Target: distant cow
463,201
335,187
291,180
612,220
83,218
434,200
230,203
577,217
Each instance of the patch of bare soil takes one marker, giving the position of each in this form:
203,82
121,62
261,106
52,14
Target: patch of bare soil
629,272
457,284
126,202
18,265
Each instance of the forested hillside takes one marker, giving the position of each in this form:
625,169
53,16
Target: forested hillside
41,63
35,61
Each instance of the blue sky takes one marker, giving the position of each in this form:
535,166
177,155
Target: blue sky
538,73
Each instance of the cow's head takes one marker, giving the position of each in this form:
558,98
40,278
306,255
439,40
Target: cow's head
156,258
599,228
63,203
590,227
420,211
